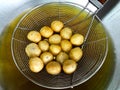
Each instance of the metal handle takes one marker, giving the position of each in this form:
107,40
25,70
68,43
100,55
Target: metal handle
98,3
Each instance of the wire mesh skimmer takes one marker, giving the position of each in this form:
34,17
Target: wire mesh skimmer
82,20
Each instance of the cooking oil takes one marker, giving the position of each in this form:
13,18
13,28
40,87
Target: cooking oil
12,79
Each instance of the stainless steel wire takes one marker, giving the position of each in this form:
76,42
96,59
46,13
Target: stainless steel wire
81,20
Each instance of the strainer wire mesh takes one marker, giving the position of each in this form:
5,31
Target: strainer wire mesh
94,47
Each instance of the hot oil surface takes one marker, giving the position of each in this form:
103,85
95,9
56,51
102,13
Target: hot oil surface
12,79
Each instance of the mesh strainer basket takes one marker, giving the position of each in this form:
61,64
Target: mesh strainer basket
81,20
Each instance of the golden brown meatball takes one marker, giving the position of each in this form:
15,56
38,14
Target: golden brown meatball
36,64
53,68
66,45
69,66
55,49
44,45
66,33
46,57
76,54
32,50
61,57
34,36
46,31
57,25
77,39
55,39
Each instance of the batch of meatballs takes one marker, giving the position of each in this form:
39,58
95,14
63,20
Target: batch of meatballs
55,48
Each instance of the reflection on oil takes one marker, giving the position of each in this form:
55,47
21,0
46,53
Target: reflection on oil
12,79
